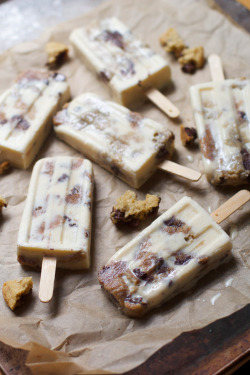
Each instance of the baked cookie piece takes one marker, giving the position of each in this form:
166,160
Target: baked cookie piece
14,290
57,52
3,203
188,135
192,59
132,211
172,42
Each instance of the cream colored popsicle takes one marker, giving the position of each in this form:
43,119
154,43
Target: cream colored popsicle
56,220
131,69
222,116
166,258
26,112
125,143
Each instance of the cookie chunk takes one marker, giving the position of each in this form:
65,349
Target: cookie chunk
172,42
3,203
188,135
57,52
14,290
132,211
192,59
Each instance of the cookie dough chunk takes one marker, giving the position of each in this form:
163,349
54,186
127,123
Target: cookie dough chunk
14,290
172,42
132,211
188,135
57,52
192,59
3,203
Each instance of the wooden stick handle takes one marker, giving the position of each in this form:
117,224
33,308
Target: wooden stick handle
162,102
216,69
231,206
180,170
47,279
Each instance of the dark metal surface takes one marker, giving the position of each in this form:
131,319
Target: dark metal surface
215,349
219,348
236,11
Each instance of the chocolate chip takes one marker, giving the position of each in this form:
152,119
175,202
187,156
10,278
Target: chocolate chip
127,67
86,233
174,225
140,274
189,68
245,158
162,153
182,258
242,115
135,300
20,122
58,77
64,177
116,170
114,37
37,211
104,76
74,196
203,260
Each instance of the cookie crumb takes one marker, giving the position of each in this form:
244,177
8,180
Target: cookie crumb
132,211
188,135
172,42
14,291
192,59
57,53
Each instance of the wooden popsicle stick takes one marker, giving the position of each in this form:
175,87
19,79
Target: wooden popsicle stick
216,69
179,170
47,279
230,206
162,102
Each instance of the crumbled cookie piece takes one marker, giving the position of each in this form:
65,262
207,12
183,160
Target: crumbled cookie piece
57,52
188,135
172,42
3,203
132,211
192,59
14,290
4,167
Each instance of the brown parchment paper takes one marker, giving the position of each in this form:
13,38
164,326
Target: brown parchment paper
80,330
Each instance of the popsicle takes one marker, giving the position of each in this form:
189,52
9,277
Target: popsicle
131,69
125,143
222,118
26,112
169,256
56,221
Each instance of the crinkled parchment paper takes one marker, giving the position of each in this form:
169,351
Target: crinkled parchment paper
80,330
